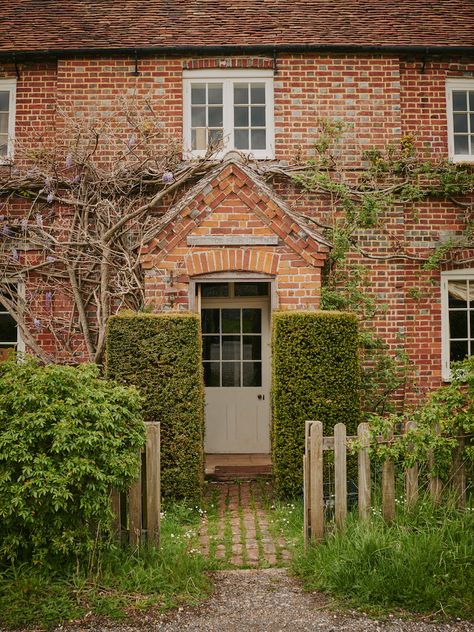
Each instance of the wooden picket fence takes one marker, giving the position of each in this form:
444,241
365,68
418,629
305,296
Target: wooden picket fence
313,471
137,513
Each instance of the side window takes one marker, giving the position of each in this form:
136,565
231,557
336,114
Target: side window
457,296
7,118
9,334
460,109
228,110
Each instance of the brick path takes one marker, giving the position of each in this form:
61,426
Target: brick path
238,527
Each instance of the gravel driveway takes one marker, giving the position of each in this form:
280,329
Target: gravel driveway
266,601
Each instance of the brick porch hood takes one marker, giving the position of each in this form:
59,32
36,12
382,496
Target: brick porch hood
232,221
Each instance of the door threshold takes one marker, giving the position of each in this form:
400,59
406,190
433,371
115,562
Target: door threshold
227,467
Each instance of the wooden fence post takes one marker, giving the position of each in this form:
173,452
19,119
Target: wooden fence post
436,485
458,473
364,471
388,489
411,478
316,476
153,482
307,483
135,510
340,474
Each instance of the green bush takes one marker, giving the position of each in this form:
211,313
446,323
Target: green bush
66,437
161,355
316,376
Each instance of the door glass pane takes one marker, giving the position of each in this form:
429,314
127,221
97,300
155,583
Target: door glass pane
252,321
252,348
458,324
211,346
252,374
251,289
231,347
231,321
210,321
231,373
212,373
458,350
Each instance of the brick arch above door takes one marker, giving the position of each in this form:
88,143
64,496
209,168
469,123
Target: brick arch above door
232,221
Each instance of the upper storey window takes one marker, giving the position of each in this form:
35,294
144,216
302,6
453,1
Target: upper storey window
7,117
460,93
230,110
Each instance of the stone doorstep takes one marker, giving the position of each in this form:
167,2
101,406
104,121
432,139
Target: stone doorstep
241,472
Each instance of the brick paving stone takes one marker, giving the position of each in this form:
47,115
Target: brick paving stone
241,506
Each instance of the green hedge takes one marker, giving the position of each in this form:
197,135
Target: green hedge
316,375
161,355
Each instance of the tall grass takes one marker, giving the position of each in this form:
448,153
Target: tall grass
123,581
423,562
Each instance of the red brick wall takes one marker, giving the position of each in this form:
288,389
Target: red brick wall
382,97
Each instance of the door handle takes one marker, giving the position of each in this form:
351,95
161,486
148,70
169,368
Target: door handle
261,396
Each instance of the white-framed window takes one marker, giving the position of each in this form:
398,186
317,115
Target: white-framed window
457,317
460,109
230,110
10,337
7,117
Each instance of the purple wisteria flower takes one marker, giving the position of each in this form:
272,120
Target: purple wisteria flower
48,299
50,198
15,256
167,177
132,140
37,323
39,220
69,161
24,224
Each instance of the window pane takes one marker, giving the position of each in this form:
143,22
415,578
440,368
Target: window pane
210,321
471,318
257,93
258,139
252,348
231,347
258,117
252,374
471,101
211,347
198,138
458,324
214,289
231,321
215,138
212,373
472,122
3,144
460,122
461,145
472,144
214,91
241,116
459,100
241,92
3,123
241,139
215,117
198,93
231,374
458,350
8,330
198,117
252,321
251,289
4,100
457,293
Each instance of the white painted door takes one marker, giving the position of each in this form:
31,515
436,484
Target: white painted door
236,358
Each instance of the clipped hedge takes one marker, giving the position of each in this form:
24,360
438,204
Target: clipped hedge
316,375
161,355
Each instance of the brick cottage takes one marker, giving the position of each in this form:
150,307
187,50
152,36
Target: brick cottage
258,77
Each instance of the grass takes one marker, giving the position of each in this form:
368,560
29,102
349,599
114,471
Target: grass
421,563
124,584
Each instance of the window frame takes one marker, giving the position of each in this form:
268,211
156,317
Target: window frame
228,78
9,85
20,292
452,85
466,274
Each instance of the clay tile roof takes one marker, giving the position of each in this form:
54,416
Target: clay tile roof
61,25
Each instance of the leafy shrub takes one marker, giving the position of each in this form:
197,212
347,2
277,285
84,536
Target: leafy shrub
66,437
161,355
316,376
